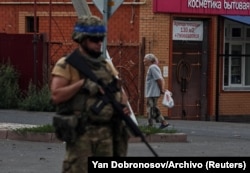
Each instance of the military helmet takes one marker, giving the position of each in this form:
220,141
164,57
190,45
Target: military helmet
88,26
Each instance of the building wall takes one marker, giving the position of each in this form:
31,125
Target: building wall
58,21
156,29
234,104
129,25
212,58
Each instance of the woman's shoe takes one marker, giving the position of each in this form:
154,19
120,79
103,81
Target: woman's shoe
164,126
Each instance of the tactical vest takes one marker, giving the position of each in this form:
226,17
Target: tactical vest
89,95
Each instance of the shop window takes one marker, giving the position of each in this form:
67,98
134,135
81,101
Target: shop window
226,64
236,67
236,32
30,24
248,32
236,60
247,65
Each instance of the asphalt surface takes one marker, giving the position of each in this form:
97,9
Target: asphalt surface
205,139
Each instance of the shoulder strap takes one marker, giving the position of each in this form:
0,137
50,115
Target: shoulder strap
78,61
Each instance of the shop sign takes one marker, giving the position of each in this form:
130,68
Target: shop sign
187,30
215,7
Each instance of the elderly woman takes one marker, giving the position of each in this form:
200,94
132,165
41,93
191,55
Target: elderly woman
154,87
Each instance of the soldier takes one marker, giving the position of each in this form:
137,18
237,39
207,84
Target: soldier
100,133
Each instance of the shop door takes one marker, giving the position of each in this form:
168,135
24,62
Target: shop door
186,80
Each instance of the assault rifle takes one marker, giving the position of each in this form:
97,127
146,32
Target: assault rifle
79,62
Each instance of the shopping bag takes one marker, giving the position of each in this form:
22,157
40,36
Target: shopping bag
167,100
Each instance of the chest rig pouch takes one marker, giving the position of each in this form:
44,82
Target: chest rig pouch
67,122
97,106
91,105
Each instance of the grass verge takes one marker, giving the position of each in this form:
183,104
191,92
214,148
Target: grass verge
38,129
50,129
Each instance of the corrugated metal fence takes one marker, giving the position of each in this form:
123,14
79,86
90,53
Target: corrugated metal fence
28,57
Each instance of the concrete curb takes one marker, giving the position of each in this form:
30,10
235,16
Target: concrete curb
50,137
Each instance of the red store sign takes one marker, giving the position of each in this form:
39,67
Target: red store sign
214,7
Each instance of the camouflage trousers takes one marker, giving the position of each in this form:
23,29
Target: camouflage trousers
96,141
153,112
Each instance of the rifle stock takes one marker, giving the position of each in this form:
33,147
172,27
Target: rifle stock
79,62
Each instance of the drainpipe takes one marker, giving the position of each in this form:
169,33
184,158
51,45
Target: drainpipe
217,101
35,45
49,42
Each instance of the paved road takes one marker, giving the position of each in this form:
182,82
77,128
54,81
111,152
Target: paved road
204,139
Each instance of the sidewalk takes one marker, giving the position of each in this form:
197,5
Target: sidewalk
7,129
11,119
204,139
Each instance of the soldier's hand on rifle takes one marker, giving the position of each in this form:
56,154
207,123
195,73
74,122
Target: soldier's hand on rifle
124,102
101,90
126,110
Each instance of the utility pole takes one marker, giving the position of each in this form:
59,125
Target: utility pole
105,20
49,41
35,39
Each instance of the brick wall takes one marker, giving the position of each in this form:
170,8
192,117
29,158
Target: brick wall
129,25
58,21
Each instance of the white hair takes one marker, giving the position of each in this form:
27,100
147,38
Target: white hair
151,57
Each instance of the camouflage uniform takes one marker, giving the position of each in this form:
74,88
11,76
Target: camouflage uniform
104,134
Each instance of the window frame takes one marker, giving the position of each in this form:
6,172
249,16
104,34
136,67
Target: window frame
30,22
229,43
